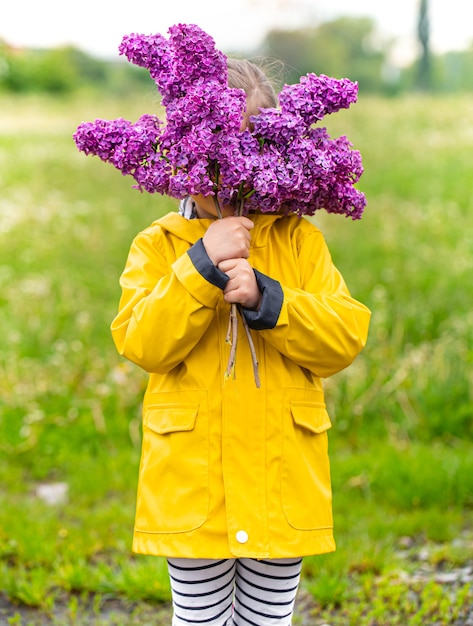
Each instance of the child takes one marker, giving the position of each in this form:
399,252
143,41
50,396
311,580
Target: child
234,482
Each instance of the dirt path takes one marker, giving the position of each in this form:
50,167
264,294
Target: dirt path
116,613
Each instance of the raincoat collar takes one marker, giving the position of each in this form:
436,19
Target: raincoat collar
191,230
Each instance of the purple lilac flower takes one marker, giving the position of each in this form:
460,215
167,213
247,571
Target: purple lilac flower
188,57
283,165
119,142
195,56
205,106
153,175
316,96
278,126
148,51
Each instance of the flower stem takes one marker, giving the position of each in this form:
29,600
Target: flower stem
254,358
233,341
232,331
217,206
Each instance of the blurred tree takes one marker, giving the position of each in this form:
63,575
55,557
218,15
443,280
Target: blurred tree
53,70
423,30
66,69
453,71
343,47
37,70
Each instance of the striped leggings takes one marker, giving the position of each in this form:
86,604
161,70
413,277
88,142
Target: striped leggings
233,592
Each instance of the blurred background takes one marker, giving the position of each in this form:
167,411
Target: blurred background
70,423
389,48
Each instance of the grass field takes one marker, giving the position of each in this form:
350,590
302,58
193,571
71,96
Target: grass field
401,446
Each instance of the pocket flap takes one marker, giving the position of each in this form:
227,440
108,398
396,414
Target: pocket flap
313,417
170,418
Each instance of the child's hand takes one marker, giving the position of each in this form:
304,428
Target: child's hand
228,238
242,287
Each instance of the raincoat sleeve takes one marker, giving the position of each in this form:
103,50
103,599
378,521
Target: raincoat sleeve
319,325
166,305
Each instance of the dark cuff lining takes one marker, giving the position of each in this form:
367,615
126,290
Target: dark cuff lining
205,267
271,302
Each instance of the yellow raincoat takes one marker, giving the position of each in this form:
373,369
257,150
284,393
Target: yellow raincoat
227,469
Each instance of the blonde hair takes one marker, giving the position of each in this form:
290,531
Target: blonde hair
246,75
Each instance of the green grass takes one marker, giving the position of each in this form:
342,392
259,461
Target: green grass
70,406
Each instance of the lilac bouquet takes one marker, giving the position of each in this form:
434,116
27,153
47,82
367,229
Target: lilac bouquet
283,164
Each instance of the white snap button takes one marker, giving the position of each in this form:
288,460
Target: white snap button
242,536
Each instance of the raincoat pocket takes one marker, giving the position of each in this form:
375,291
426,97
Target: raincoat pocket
306,492
173,490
